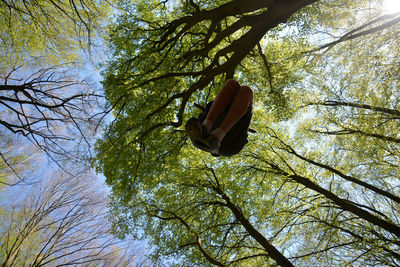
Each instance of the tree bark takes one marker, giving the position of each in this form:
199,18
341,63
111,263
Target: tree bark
272,251
346,205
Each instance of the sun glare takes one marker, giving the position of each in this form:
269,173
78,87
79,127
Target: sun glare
391,6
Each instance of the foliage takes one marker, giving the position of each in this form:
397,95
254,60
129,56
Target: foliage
52,30
41,97
49,215
16,160
316,185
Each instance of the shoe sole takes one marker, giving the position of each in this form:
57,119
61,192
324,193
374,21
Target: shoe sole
194,129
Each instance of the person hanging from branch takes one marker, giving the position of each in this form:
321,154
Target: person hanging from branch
222,127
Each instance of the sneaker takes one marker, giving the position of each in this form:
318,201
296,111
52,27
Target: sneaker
214,145
200,137
195,130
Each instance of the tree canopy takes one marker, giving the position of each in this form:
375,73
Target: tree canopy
44,94
317,185
55,31
53,212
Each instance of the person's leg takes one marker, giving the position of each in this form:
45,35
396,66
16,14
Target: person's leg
221,102
239,106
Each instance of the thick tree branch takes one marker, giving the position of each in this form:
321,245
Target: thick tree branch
343,203
373,188
238,50
270,249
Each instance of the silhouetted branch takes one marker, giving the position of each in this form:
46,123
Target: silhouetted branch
355,33
49,108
